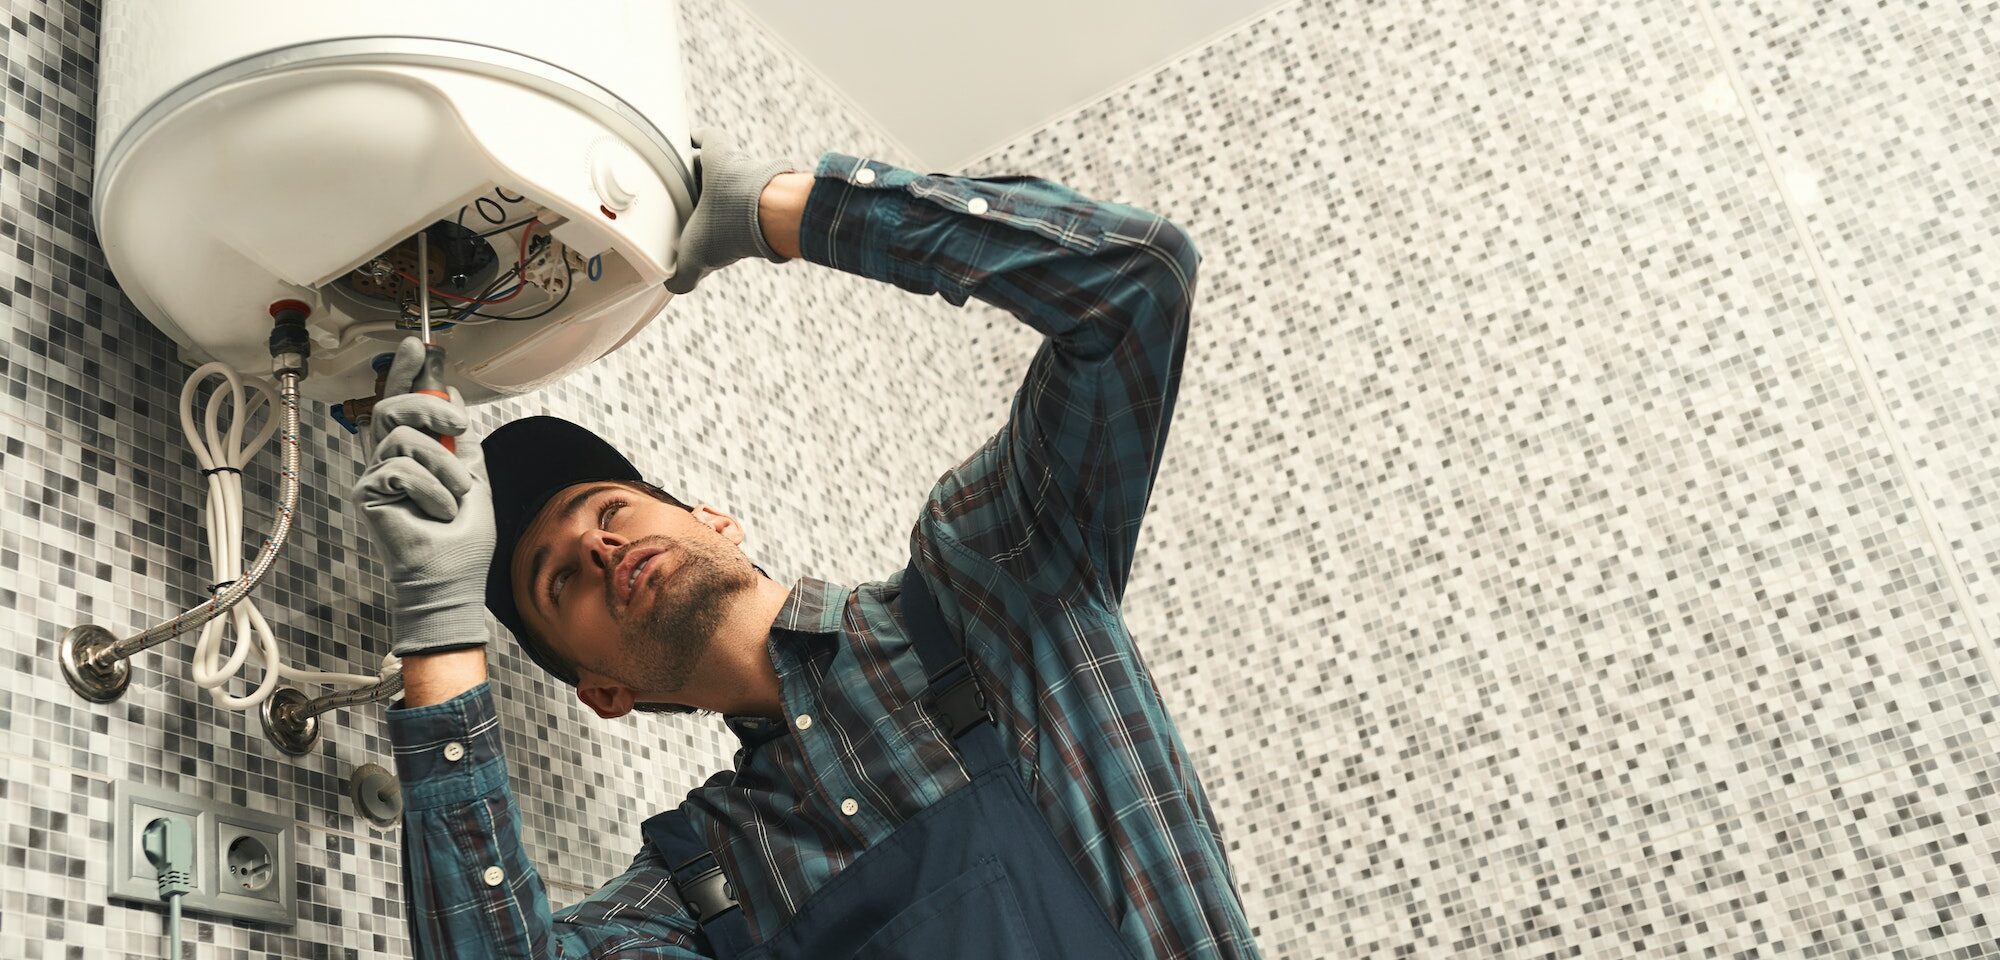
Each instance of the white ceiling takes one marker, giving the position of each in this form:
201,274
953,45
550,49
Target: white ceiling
952,82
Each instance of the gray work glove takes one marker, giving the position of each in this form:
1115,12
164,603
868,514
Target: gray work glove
724,227
431,513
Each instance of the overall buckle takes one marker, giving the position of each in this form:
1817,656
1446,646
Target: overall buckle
955,697
708,895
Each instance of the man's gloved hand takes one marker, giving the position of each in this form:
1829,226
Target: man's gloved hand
724,228
431,512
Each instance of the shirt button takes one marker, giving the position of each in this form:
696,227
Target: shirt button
848,806
803,721
864,176
454,751
493,876
976,206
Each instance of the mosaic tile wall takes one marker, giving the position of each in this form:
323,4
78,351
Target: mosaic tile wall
1573,539
760,393
1579,532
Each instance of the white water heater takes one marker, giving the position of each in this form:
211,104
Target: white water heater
251,152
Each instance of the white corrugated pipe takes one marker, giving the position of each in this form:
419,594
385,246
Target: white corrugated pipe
223,453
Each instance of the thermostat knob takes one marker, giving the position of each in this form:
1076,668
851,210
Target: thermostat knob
617,173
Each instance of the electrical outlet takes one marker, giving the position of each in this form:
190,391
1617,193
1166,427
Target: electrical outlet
135,806
132,874
253,858
243,859
246,863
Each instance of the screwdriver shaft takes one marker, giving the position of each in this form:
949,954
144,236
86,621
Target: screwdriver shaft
424,282
430,377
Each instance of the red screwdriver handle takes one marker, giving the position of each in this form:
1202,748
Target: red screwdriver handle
430,382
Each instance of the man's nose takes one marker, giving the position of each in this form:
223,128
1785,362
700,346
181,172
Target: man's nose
602,546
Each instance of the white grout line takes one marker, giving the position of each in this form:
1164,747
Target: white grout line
1122,85
1947,558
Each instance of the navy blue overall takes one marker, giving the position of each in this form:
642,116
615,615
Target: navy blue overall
975,876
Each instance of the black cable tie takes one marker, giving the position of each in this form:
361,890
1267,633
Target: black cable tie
213,470
215,589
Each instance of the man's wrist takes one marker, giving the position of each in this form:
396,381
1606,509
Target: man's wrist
430,678
780,208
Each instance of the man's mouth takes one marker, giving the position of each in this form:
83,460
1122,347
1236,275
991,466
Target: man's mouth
629,573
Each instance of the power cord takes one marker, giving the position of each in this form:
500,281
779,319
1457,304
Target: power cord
170,846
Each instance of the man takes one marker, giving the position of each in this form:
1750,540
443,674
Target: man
967,759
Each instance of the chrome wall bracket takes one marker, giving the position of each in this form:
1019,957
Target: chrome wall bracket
291,719
287,725
87,665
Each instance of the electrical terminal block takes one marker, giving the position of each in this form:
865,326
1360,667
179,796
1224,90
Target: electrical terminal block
552,268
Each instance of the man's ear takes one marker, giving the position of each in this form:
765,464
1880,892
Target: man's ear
610,701
723,524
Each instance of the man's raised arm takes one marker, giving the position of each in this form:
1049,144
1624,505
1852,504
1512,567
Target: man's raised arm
1111,287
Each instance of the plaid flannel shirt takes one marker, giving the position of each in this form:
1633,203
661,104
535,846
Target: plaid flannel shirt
1027,542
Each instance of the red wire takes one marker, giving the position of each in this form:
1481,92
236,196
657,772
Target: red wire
520,267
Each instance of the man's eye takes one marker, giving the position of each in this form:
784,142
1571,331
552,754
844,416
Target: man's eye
555,587
604,515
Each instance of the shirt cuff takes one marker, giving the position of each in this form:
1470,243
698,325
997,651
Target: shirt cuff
853,210
448,753
936,233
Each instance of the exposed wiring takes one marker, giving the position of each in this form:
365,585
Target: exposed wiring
540,251
520,267
569,272
466,311
488,298
222,453
500,212
472,308
435,292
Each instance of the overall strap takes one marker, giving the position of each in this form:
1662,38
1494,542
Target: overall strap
698,878
952,693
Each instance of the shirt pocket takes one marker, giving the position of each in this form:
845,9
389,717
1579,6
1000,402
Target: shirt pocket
908,758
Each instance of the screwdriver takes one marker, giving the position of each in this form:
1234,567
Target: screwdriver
430,376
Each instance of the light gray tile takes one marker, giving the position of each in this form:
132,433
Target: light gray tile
1884,139
1524,501
1531,570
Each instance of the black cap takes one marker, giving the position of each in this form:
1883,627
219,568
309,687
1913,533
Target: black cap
528,461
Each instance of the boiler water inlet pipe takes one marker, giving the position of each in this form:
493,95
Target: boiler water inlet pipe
98,665
94,660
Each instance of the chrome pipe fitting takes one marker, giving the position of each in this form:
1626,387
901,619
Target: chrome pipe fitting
97,664
291,720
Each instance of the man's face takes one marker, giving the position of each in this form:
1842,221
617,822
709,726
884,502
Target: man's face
629,588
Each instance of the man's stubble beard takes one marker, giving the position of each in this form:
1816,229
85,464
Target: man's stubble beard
664,643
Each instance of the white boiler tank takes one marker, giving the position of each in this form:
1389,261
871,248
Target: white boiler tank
251,152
